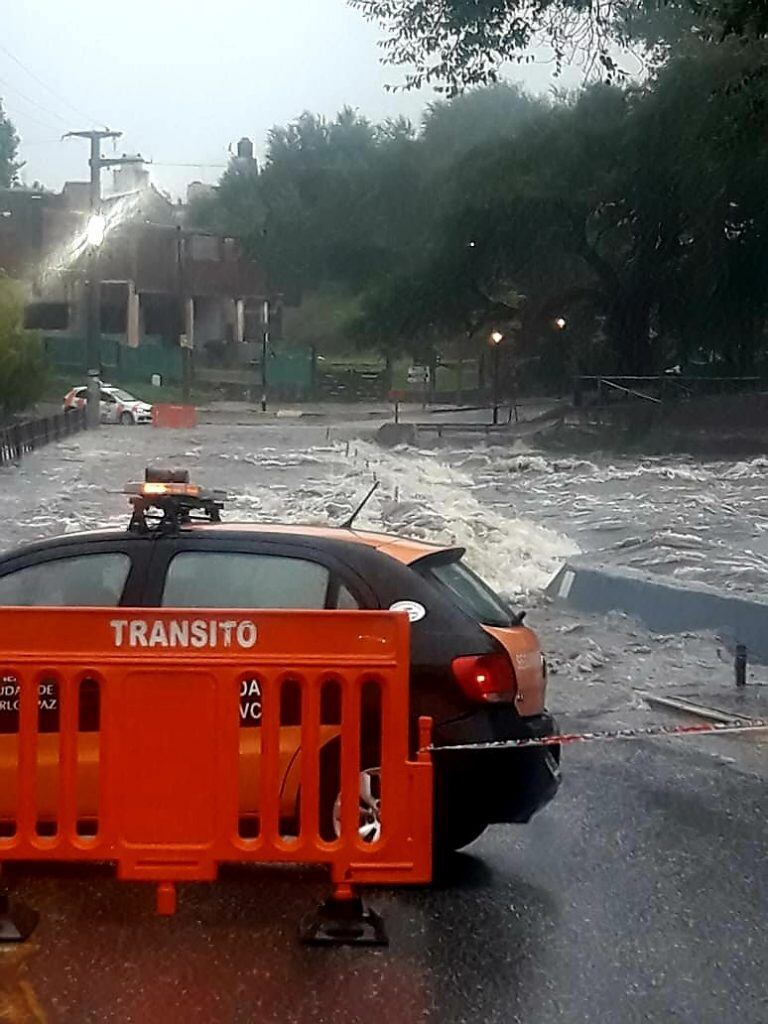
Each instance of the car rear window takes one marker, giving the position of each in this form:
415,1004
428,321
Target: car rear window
208,579
470,593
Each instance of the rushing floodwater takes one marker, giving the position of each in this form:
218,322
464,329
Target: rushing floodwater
706,522
520,514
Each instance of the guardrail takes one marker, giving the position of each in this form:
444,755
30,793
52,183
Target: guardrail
123,739
660,388
19,438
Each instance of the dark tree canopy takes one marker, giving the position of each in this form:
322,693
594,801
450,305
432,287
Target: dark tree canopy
635,211
22,361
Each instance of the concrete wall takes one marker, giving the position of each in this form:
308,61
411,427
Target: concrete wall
664,605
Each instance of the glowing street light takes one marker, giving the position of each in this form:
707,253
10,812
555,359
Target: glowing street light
95,230
561,323
497,337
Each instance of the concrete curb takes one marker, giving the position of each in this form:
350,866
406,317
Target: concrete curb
665,606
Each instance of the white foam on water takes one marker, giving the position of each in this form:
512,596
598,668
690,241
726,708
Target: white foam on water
424,497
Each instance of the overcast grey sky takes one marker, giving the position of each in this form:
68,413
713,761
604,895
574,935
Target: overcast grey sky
184,79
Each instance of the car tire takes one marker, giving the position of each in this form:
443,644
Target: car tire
330,792
453,835
127,420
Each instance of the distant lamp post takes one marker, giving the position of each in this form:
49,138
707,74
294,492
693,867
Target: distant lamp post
265,323
496,339
561,324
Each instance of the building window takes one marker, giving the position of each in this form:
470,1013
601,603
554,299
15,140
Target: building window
205,248
47,316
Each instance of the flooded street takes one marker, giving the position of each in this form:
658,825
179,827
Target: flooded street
519,513
696,521
569,913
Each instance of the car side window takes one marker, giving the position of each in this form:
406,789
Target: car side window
95,580
219,579
106,397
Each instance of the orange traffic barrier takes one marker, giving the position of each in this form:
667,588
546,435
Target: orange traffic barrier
178,416
170,741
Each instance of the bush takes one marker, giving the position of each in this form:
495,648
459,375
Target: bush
22,363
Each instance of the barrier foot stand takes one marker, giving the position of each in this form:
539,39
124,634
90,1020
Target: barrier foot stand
344,920
17,921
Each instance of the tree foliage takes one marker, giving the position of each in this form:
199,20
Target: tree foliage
635,212
454,44
22,366
9,147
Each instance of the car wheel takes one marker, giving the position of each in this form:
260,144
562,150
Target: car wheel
452,835
459,811
330,798
126,419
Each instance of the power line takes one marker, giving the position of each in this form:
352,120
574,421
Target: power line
53,92
162,163
25,142
34,120
34,103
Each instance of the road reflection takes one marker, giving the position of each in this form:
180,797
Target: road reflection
232,953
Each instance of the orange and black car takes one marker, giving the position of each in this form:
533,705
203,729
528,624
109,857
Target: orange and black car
476,669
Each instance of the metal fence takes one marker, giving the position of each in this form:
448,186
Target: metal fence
596,390
19,438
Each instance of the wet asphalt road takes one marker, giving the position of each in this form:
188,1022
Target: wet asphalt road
640,895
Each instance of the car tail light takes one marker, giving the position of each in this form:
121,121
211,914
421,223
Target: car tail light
486,677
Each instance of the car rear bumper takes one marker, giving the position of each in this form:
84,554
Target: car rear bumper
497,785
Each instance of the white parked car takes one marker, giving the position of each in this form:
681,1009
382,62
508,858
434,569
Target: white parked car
117,406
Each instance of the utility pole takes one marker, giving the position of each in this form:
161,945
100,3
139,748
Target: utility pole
264,352
92,302
186,321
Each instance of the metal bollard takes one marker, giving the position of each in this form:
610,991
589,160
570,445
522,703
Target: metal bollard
740,665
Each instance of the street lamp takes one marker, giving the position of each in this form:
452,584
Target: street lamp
95,230
265,318
496,339
561,324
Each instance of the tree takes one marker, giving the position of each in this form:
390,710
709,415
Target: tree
636,212
9,147
322,320
22,364
454,44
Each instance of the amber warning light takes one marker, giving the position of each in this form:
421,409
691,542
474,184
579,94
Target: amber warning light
169,493
152,489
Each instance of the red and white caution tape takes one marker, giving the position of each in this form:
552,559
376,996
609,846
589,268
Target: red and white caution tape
651,732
